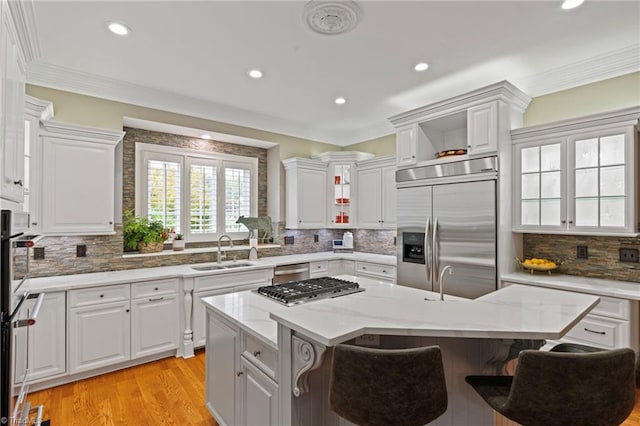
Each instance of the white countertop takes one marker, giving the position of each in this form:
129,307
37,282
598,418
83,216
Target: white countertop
70,282
611,288
515,312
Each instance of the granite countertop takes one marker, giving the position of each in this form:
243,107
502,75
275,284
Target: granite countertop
601,287
70,282
514,312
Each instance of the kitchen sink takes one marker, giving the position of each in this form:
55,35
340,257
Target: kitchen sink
219,267
237,265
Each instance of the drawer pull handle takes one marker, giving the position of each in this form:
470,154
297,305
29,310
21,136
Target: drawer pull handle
594,331
239,373
156,299
256,354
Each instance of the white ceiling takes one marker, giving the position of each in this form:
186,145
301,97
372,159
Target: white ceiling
192,57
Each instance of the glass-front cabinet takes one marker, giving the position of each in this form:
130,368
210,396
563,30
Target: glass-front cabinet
579,179
341,212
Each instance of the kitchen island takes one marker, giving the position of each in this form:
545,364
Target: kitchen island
269,364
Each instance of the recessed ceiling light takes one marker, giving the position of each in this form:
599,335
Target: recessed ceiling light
205,136
118,28
421,66
571,4
255,74
340,101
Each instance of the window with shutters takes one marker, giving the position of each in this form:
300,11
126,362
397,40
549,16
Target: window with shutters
199,195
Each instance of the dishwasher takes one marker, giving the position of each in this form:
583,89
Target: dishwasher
288,273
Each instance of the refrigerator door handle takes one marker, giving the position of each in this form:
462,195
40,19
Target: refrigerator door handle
427,249
436,254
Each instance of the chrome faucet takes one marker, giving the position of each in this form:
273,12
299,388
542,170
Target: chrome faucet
219,240
441,280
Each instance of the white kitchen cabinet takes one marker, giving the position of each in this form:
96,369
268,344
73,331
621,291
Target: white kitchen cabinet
154,317
260,404
99,335
200,315
223,371
35,110
477,121
78,179
45,340
240,376
376,198
12,88
482,129
612,324
377,271
319,268
577,176
306,193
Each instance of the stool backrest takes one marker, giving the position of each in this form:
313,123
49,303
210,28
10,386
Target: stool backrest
555,388
387,386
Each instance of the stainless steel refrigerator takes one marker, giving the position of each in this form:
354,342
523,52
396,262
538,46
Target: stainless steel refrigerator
447,216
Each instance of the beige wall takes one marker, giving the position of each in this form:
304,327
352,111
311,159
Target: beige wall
386,145
606,95
90,111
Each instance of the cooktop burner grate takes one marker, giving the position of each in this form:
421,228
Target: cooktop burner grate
307,290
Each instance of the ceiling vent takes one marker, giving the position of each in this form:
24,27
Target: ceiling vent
331,17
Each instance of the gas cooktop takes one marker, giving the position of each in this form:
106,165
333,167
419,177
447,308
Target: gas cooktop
297,292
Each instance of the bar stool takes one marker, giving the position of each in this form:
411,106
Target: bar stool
555,388
577,348
372,387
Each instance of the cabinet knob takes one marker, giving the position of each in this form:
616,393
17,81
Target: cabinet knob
127,310
156,288
570,221
564,221
101,296
110,222
364,267
384,271
468,146
239,373
34,223
413,156
256,354
299,221
18,182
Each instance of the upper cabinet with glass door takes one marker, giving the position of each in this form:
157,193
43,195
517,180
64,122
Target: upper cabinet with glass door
578,176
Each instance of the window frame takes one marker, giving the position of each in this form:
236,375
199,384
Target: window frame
187,157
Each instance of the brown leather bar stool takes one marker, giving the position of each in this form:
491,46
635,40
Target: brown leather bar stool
383,387
563,388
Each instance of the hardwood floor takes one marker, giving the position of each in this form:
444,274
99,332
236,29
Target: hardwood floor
165,392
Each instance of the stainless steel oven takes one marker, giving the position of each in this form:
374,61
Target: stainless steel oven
15,319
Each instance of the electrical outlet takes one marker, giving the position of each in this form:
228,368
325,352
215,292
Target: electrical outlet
81,250
629,255
288,240
368,340
316,238
38,253
582,252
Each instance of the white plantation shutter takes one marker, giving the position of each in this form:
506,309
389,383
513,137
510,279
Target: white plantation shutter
163,192
237,188
203,203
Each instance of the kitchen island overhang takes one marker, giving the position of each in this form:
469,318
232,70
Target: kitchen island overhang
476,336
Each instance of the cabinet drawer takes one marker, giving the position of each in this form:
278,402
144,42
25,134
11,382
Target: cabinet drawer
260,354
94,295
319,268
234,279
605,333
154,288
376,270
615,308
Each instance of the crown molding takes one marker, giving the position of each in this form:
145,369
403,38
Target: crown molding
24,18
601,67
34,107
67,79
94,134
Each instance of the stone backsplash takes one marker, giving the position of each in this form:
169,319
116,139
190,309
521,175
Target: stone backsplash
603,255
104,252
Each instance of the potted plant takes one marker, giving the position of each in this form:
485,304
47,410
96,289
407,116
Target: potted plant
178,242
143,234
